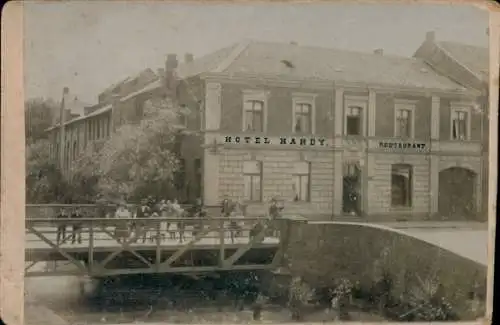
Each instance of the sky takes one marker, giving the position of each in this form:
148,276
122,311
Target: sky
87,46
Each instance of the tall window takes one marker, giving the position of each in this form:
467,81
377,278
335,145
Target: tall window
353,120
89,131
404,118
183,116
459,123
303,118
180,175
252,173
98,127
254,115
139,108
401,185
302,182
198,176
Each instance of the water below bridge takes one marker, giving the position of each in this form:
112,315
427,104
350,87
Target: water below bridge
150,301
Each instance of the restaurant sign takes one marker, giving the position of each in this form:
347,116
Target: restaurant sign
403,145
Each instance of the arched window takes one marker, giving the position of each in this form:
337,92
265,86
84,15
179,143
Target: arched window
401,185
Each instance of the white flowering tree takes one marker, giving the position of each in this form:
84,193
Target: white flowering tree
141,158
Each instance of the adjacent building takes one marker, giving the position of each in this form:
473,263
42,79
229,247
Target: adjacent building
469,66
331,132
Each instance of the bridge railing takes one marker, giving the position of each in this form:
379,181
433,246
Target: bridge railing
41,211
157,243
163,229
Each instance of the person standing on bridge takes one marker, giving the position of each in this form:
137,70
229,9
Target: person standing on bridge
122,230
61,227
77,227
274,214
143,212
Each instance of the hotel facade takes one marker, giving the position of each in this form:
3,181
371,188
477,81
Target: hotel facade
332,133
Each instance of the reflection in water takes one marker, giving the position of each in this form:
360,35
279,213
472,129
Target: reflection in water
219,298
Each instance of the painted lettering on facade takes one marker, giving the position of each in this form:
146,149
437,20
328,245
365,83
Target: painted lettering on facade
402,145
301,141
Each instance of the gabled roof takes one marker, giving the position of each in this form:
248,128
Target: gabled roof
75,106
207,63
316,63
474,58
124,81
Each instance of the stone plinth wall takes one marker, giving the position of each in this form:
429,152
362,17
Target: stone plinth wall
323,252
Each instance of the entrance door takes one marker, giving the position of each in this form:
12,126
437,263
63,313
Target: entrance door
351,201
457,195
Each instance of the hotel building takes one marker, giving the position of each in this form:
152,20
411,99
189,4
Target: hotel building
331,132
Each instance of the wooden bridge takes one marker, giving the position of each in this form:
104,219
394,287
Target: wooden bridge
208,245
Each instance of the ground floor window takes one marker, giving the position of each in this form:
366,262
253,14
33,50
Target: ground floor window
302,182
401,185
252,174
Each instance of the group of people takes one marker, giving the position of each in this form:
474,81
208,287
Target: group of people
161,209
175,227
76,233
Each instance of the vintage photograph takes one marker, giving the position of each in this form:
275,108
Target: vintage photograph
247,163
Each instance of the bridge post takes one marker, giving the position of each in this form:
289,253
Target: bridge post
158,246
222,242
90,263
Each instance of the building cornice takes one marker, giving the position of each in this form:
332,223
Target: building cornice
286,81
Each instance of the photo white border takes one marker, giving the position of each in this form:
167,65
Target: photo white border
12,202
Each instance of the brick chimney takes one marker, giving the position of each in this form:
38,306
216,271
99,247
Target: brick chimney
188,57
430,36
66,103
378,51
171,63
170,78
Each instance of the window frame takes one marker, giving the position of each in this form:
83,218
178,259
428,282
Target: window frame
411,189
362,103
252,174
404,105
458,107
299,173
304,99
255,95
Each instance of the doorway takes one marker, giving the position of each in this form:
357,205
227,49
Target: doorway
351,183
457,194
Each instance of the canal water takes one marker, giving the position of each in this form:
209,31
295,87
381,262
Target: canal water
154,300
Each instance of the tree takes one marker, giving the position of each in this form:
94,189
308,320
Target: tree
44,182
85,172
38,117
141,158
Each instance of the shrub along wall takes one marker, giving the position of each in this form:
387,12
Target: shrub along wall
322,253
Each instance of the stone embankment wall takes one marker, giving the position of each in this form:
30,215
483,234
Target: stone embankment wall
324,252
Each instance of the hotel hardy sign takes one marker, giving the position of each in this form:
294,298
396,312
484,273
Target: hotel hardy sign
300,141
316,142
402,145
